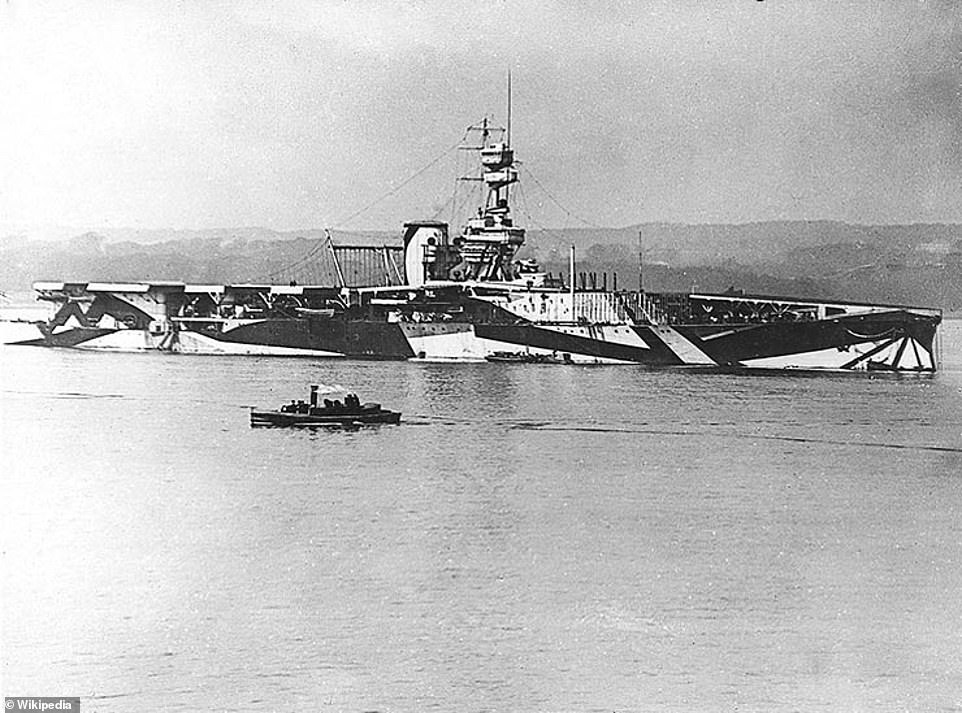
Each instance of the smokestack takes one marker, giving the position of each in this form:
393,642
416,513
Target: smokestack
313,395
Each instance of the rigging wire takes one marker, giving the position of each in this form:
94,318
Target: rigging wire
522,204
448,203
297,263
401,185
558,203
340,223
452,202
531,220
460,169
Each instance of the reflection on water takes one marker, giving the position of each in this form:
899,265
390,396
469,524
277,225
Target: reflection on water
530,538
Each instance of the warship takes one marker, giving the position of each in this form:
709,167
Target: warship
464,296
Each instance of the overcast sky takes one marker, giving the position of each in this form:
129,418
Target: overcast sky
299,113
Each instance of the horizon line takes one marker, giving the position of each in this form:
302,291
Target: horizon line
69,231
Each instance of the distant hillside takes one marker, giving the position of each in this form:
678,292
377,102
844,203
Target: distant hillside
916,264
675,243
750,243
913,264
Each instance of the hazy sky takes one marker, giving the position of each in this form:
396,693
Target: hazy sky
299,113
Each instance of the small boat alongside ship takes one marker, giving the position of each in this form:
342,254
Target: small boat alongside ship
528,358
332,413
465,297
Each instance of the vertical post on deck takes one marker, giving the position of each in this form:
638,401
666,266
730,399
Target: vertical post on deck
641,265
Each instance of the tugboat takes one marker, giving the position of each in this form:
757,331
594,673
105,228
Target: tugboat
348,413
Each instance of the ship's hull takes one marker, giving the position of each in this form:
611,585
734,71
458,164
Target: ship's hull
898,339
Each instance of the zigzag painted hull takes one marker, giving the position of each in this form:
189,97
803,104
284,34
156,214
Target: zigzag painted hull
461,324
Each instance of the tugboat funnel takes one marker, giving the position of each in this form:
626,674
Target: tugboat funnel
313,395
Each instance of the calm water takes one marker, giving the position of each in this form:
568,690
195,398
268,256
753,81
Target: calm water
531,538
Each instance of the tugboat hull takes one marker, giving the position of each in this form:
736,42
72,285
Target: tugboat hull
278,419
350,413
